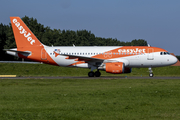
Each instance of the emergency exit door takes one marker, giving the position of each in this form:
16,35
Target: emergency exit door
43,54
150,54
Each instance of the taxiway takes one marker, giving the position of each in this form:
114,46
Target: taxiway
102,77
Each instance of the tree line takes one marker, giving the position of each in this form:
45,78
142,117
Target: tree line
57,37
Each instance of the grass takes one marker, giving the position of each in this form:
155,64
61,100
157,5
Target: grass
94,99
20,69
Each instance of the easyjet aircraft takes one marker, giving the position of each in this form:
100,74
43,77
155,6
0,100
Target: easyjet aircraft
112,59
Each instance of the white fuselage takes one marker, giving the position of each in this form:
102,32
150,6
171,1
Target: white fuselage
154,59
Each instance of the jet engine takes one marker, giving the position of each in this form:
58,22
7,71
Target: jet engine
115,67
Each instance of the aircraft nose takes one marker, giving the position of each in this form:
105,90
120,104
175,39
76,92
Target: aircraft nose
173,59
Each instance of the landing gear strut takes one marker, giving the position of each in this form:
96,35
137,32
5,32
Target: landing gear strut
96,74
150,72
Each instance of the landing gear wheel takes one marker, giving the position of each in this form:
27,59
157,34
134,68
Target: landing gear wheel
150,72
151,75
91,74
97,74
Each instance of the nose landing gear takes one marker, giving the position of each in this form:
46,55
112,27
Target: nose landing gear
150,72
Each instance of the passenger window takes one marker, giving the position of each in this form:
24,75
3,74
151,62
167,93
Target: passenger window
164,53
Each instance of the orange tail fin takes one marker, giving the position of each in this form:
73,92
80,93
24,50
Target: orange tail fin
23,35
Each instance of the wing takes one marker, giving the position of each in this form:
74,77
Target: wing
85,59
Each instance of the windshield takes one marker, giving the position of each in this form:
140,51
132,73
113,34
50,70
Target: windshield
164,53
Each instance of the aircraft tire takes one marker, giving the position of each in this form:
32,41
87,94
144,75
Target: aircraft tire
91,74
151,75
97,74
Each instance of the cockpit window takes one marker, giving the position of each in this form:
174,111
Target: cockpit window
164,53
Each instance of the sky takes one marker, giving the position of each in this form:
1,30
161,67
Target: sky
156,21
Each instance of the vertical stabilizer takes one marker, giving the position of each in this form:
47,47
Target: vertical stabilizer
23,35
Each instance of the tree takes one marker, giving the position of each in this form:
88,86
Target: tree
139,42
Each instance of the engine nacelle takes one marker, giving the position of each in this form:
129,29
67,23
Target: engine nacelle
115,67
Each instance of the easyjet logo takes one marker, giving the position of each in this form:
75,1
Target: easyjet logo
23,31
137,50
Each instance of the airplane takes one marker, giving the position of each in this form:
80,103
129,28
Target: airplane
112,59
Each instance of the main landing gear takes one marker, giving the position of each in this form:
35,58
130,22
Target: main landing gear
150,72
96,74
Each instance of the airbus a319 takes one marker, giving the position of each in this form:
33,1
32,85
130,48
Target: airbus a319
112,59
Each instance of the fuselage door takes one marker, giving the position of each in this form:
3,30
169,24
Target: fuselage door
43,54
150,55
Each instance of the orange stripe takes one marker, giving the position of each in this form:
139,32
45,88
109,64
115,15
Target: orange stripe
137,50
74,64
127,52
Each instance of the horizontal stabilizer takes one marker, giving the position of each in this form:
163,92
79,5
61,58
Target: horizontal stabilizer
15,52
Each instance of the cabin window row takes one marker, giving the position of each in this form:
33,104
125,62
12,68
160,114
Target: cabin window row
100,53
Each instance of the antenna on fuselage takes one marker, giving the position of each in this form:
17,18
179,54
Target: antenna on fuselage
74,45
149,45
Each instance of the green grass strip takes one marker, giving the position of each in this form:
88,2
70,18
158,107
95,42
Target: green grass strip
21,69
94,99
